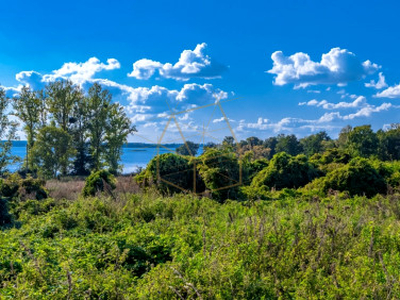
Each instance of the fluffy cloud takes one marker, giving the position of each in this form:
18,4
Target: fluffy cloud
191,64
325,122
360,101
338,66
222,119
391,92
158,99
380,84
369,109
145,68
286,124
78,73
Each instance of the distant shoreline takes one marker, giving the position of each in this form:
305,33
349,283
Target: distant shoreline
128,145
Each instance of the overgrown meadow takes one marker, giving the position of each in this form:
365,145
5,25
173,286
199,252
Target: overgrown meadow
146,246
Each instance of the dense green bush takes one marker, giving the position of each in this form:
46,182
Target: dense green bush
5,216
99,181
359,177
333,155
16,188
286,171
221,172
175,171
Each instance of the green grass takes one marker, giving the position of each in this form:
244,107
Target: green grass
151,247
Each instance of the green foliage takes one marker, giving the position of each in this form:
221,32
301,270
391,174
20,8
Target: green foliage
286,171
7,133
147,247
5,216
117,130
79,131
16,188
315,143
220,170
99,103
271,143
288,144
175,174
52,152
99,181
30,108
86,133
389,143
362,141
188,148
61,97
359,177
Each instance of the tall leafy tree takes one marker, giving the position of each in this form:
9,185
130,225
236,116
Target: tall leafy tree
314,143
271,144
254,141
30,108
117,130
7,133
189,148
62,95
228,141
99,102
52,151
344,136
79,132
362,141
289,144
389,143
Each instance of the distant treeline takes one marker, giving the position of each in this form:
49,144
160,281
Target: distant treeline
68,132
360,161
358,141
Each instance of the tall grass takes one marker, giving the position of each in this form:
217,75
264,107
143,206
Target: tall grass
145,246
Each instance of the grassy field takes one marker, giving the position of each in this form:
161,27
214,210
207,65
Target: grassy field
145,246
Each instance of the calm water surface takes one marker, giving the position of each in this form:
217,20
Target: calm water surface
132,158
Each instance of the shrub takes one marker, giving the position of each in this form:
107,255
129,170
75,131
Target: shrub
31,186
359,177
286,171
99,181
5,216
220,170
14,187
9,186
176,174
394,180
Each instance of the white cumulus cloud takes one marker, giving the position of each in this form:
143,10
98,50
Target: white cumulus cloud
338,66
391,92
78,73
191,64
358,102
380,84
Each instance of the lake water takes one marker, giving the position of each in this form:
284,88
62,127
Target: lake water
132,158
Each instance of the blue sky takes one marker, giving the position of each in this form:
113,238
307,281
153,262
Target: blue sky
295,66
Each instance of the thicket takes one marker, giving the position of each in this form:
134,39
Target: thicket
152,247
359,162
98,182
